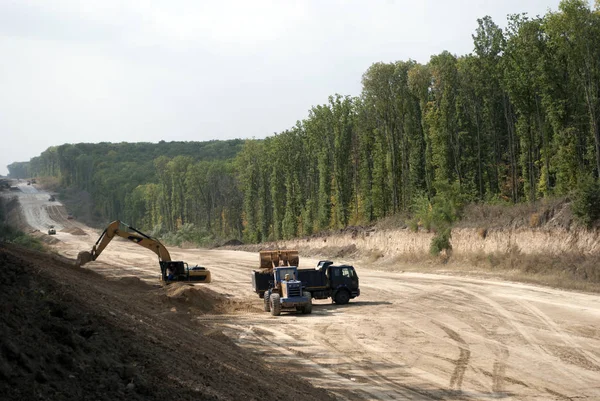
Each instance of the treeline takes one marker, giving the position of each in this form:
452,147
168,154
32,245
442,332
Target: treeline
158,187
517,120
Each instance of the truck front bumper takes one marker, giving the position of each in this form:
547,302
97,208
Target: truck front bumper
292,302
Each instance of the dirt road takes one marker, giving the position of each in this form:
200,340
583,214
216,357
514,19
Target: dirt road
408,336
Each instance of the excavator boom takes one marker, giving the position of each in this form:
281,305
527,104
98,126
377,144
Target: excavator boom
171,270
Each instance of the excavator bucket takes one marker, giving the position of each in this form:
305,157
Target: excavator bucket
289,258
83,258
271,259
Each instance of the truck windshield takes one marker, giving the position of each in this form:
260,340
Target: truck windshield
282,272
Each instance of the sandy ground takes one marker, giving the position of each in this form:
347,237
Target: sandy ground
408,336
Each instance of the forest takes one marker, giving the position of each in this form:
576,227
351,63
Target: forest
516,120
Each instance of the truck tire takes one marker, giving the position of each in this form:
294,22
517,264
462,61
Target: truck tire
342,297
307,309
267,302
275,304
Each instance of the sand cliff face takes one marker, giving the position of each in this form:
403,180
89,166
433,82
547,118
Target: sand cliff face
550,241
398,242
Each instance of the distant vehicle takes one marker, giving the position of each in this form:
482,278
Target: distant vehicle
70,217
51,198
28,182
51,230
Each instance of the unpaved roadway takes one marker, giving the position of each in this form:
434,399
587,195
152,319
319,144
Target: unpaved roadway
408,336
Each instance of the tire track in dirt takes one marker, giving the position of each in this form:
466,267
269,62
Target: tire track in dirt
363,352
499,349
591,362
544,354
501,355
347,365
460,364
345,386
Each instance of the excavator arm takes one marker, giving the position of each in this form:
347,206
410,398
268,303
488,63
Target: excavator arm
127,232
170,270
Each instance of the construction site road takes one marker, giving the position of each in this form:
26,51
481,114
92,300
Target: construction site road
408,336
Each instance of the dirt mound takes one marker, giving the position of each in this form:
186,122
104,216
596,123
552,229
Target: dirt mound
233,242
68,334
134,282
201,299
45,238
73,231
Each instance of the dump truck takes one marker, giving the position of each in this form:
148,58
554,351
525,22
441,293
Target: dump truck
170,270
326,280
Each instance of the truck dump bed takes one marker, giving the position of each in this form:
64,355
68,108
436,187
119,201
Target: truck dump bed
311,278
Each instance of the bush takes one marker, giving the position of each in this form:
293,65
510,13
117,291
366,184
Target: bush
422,213
586,202
441,241
14,236
439,214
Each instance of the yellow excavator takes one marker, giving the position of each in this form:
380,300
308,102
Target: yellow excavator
170,270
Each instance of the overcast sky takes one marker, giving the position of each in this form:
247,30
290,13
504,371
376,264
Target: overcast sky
91,71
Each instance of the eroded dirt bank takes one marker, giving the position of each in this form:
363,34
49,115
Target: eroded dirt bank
402,241
70,334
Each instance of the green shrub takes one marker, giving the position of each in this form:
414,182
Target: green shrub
586,202
441,241
422,213
14,236
187,234
438,214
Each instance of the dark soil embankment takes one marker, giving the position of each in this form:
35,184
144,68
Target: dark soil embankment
69,334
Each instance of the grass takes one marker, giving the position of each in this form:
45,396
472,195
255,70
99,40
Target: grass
13,236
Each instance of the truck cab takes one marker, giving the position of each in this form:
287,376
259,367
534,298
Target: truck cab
342,280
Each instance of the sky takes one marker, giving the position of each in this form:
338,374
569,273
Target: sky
192,70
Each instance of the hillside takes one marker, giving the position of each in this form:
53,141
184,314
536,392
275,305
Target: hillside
71,334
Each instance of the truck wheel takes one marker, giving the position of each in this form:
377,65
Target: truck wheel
342,297
307,309
275,304
267,303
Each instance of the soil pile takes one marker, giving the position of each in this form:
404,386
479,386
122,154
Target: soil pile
201,299
233,242
73,231
68,333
